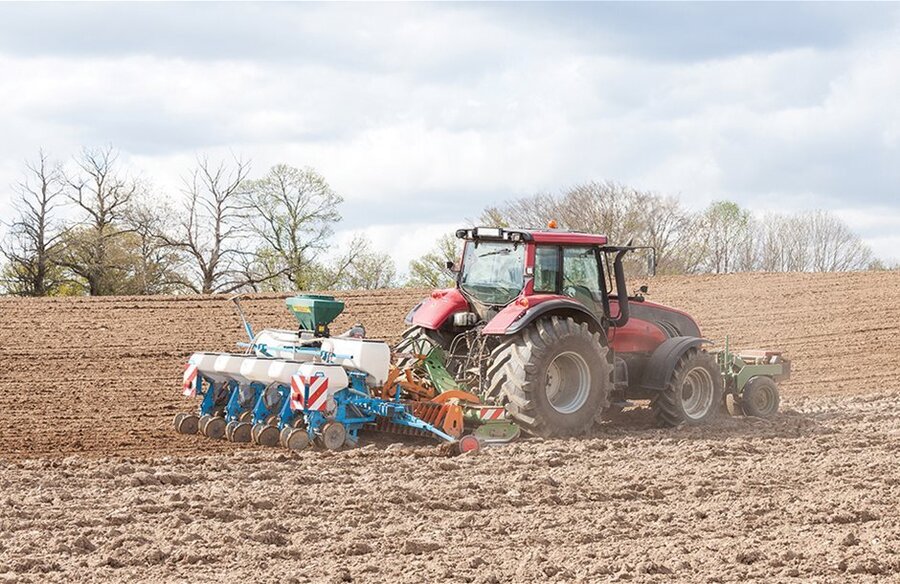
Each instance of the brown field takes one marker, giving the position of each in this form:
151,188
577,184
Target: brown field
95,485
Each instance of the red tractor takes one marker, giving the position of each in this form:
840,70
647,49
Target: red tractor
540,321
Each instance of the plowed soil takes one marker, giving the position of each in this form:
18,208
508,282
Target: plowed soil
96,486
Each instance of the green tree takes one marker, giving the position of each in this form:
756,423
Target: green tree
723,232
293,211
103,195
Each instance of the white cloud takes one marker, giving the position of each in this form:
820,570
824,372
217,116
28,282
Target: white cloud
421,115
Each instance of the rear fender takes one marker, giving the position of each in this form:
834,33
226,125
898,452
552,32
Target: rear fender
658,372
515,317
434,311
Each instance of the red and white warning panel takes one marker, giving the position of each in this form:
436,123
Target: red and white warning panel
315,387
491,413
189,385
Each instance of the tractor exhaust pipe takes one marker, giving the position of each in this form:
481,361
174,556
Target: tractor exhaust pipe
621,291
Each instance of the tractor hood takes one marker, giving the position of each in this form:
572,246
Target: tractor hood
434,311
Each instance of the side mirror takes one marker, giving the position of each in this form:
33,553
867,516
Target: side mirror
452,267
643,289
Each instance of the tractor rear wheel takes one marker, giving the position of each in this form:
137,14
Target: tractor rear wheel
694,394
554,377
760,398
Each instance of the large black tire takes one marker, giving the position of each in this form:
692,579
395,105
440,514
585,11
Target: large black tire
554,377
760,398
694,394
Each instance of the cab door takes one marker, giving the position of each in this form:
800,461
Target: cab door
581,278
572,271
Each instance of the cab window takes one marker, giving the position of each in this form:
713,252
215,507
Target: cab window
546,268
581,276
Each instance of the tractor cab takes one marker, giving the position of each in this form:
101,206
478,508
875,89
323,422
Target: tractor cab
500,266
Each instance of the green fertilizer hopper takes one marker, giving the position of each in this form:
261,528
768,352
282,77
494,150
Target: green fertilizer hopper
315,312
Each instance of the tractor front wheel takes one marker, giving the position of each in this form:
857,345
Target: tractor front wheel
694,394
416,343
554,376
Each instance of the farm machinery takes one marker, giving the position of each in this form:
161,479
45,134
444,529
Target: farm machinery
541,322
295,388
539,334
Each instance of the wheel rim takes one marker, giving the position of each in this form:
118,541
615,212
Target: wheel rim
697,392
763,400
568,382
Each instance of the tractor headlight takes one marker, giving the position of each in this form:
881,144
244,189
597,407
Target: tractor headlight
488,232
464,319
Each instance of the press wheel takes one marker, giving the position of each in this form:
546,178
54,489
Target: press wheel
333,435
241,432
268,436
186,423
297,439
215,428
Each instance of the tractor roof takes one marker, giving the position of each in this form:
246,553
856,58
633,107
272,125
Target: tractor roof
551,236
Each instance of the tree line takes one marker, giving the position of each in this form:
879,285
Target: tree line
92,227
722,238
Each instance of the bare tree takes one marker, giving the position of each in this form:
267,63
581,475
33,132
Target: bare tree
815,241
103,195
833,246
32,246
212,227
292,211
158,268
333,274
721,231
430,270
369,270
621,213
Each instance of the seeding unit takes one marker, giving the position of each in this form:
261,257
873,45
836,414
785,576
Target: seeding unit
295,388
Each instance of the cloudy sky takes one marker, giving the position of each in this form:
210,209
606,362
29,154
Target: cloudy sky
421,114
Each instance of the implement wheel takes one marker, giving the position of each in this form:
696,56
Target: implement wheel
760,398
215,428
694,394
268,436
296,439
202,422
186,423
553,375
333,435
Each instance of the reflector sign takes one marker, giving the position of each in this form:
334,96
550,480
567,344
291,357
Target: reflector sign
189,387
309,393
